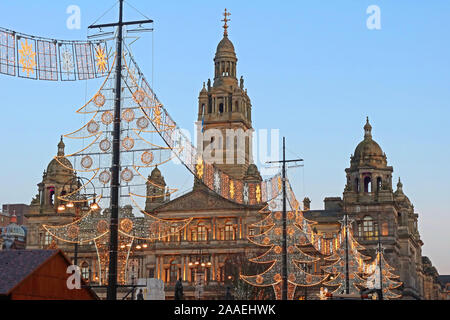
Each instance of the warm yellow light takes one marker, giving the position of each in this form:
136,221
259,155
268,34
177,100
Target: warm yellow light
122,246
203,264
61,208
94,206
197,263
145,246
209,263
138,247
190,264
70,205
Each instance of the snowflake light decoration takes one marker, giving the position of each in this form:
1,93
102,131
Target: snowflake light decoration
27,58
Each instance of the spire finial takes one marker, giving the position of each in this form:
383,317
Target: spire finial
368,129
61,147
400,184
226,20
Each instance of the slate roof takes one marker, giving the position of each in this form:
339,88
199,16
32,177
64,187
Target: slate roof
16,265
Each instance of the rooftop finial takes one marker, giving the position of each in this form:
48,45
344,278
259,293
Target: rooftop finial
399,184
226,20
61,147
367,129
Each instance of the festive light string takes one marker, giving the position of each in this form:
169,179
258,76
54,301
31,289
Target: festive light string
42,58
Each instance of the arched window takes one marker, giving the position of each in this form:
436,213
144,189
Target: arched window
201,232
51,195
221,108
229,231
85,270
379,184
367,184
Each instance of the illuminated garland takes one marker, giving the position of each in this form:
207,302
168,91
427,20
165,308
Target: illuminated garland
389,279
271,237
337,271
50,59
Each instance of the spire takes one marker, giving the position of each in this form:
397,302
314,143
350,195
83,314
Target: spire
399,185
367,130
61,147
226,20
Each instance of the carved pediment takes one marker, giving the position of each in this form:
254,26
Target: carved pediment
198,200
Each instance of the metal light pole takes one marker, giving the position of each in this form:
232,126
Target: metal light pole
347,275
379,260
284,276
115,168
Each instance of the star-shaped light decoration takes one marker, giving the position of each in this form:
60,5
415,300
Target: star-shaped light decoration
27,57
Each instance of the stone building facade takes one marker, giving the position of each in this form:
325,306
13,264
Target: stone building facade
377,212
208,254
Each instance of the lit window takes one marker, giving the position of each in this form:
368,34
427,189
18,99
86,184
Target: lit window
201,232
229,231
385,229
47,239
368,228
85,270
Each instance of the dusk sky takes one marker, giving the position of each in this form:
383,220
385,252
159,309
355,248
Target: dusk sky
312,68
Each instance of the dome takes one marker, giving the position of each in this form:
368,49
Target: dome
225,47
61,163
368,152
156,173
14,230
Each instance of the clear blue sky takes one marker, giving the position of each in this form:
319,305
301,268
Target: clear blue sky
312,69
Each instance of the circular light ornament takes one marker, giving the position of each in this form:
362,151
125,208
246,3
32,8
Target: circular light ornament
102,226
105,145
127,175
147,158
93,127
139,96
128,115
128,143
278,250
277,277
87,162
142,123
105,177
278,216
99,100
259,279
291,277
73,231
126,225
291,249
107,118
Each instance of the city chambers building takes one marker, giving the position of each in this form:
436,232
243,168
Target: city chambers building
208,254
